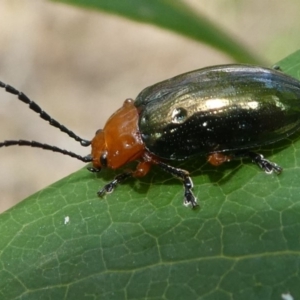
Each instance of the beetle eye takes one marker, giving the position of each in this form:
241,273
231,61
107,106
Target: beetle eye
103,159
179,115
98,131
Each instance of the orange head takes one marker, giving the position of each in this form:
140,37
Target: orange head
119,142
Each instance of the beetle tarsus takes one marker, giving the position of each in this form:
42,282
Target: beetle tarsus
108,188
268,166
189,198
183,175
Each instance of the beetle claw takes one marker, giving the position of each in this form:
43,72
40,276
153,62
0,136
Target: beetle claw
268,166
190,199
107,189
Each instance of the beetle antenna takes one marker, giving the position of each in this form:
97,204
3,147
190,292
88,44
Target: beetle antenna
33,106
35,144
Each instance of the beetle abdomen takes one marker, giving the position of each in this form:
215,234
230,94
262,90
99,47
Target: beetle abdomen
218,109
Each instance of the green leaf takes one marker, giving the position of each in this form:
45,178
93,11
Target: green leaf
175,16
140,242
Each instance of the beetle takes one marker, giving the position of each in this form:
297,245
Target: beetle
222,112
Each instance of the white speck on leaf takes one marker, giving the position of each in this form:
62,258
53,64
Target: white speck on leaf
67,220
287,296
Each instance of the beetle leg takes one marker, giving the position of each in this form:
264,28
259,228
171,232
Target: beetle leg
264,164
141,170
217,159
108,188
183,175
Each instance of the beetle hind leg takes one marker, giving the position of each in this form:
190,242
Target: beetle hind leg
268,166
183,175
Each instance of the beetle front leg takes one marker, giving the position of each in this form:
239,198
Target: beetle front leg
184,176
109,188
141,170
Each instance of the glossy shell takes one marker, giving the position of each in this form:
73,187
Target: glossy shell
218,109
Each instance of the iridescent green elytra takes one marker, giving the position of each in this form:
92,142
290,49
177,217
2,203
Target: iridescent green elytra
224,108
